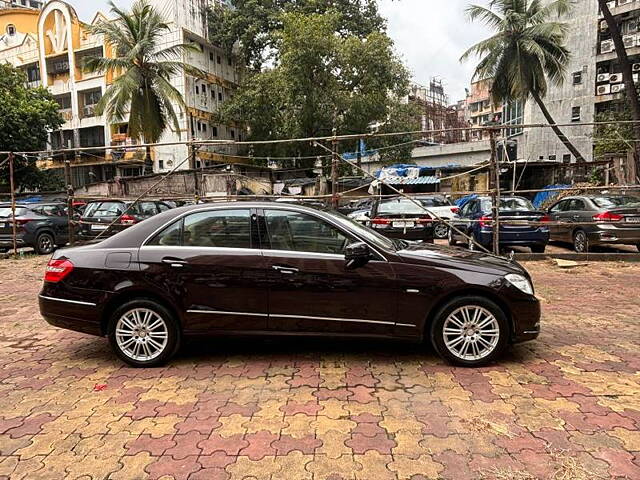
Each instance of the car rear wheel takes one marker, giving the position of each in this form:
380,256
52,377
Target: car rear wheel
441,230
452,239
45,244
580,242
144,333
470,331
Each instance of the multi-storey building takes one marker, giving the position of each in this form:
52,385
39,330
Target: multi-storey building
50,44
481,109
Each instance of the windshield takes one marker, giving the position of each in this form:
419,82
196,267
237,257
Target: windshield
435,202
400,206
617,201
6,211
517,204
368,234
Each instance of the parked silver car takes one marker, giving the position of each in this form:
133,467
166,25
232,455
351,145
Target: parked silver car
590,220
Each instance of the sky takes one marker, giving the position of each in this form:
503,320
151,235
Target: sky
430,36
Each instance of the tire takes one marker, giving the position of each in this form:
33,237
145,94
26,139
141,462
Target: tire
496,336
538,248
473,244
580,241
45,244
452,241
129,318
441,230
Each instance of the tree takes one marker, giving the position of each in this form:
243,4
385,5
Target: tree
320,80
142,92
631,93
27,115
253,24
526,53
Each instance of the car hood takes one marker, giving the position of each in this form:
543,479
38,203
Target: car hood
435,255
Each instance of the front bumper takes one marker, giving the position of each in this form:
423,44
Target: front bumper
526,318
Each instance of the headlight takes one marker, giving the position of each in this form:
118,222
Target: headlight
520,282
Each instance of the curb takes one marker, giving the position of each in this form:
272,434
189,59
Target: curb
580,257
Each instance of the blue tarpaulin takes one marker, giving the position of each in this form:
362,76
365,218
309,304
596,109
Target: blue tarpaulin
552,191
461,202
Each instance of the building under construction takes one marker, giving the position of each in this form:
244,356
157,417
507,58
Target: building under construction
438,114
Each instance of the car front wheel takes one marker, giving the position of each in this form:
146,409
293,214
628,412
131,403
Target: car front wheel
470,331
144,333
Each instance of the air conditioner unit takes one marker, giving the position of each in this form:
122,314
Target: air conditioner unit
617,88
603,89
635,67
629,41
615,78
607,46
89,111
611,5
604,26
603,77
624,2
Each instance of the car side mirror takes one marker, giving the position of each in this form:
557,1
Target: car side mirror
357,255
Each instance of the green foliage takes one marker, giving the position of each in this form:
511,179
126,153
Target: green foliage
613,138
321,79
527,50
27,115
142,92
254,24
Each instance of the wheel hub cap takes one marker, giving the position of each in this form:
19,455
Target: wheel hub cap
141,334
471,332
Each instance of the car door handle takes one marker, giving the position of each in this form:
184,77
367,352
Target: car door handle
285,270
174,262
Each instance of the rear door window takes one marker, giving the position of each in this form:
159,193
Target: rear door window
577,205
221,229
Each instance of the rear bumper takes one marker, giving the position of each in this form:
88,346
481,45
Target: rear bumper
537,237
611,235
410,234
6,241
73,315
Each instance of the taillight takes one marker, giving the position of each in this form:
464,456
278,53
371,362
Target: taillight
381,221
423,221
21,221
57,270
127,220
485,221
544,219
455,209
608,217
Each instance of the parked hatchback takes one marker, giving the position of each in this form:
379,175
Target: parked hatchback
401,217
42,227
98,216
589,220
264,268
523,225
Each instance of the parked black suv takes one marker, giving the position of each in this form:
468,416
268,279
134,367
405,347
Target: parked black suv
42,226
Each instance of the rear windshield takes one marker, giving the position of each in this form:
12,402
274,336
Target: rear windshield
6,211
617,201
517,204
104,209
435,202
400,206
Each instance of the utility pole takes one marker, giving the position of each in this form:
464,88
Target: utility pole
13,204
334,170
495,191
70,195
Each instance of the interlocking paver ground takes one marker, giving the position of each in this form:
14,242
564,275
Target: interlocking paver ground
564,407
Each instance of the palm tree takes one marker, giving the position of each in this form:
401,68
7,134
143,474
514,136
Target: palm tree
142,92
525,54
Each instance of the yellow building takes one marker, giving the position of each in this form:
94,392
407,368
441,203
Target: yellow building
50,43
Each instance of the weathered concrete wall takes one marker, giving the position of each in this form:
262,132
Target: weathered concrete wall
540,143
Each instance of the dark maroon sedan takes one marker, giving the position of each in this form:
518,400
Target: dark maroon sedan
271,269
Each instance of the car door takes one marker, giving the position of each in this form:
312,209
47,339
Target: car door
210,263
557,231
462,221
311,290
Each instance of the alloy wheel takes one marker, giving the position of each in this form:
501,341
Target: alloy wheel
441,230
471,333
141,334
580,242
45,244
